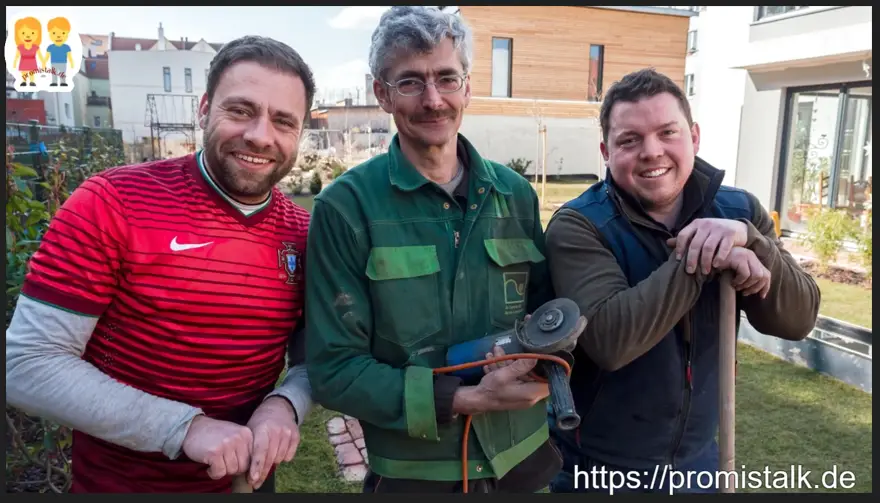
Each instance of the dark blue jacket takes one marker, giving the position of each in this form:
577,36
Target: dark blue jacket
662,407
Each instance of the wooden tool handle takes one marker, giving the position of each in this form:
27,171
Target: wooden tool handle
727,382
240,484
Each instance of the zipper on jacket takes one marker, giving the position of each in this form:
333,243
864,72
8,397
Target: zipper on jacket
688,390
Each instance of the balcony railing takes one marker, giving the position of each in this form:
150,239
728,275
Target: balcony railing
98,101
767,11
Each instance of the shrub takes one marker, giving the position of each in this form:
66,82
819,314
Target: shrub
520,165
315,185
827,229
336,169
36,449
865,243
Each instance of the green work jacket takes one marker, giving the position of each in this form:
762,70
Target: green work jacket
396,272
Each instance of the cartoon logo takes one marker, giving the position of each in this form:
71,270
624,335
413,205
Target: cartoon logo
43,52
288,260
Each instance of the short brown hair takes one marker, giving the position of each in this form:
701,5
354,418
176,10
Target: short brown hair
635,86
264,51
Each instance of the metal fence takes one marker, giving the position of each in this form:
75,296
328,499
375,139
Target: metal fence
35,138
39,147
349,147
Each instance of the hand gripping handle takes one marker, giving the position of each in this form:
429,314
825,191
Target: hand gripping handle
560,397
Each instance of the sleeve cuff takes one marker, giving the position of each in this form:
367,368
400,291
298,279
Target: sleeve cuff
418,402
173,446
297,390
444,393
762,246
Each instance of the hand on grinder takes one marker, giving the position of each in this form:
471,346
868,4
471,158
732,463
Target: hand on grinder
501,389
498,352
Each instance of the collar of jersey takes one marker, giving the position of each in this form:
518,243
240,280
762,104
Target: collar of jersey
201,162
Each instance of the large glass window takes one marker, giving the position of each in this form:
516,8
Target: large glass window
854,172
827,160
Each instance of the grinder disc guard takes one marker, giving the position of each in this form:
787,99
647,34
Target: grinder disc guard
553,327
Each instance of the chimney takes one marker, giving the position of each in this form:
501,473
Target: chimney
185,42
369,98
110,41
161,42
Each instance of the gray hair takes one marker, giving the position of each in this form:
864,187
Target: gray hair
417,30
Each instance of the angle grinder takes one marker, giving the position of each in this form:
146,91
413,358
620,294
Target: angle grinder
553,329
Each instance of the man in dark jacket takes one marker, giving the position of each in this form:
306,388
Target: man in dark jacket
641,252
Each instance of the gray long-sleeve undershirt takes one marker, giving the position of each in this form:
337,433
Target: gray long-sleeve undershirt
47,377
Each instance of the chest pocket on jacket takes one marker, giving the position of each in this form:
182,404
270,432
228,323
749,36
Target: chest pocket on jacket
508,278
405,292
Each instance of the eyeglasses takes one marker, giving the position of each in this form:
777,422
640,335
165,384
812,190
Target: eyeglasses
412,86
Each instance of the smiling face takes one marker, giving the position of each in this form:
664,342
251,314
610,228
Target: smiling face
650,149
432,118
28,31
252,129
58,35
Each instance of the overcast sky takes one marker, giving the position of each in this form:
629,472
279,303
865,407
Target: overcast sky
334,41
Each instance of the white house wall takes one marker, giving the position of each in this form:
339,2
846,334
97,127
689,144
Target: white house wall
136,74
717,105
692,60
59,108
572,144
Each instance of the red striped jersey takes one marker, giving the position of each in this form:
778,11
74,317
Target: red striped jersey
195,301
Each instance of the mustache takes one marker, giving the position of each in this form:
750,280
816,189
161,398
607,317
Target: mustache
432,116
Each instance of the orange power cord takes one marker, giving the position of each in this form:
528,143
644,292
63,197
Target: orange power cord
489,361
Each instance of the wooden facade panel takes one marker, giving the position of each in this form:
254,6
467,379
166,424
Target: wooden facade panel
514,107
551,46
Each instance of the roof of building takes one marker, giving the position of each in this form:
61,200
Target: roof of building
131,44
96,68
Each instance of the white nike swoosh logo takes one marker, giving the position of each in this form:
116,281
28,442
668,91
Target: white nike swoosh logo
175,246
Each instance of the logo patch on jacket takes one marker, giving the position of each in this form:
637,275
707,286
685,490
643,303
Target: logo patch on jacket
515,291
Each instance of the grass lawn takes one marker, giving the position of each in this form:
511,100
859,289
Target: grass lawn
851,303
557,193
785,415
313,470
304,201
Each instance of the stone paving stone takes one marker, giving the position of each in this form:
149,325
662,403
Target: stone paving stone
348,454
343,438
336,426
354,473
347,438
354,427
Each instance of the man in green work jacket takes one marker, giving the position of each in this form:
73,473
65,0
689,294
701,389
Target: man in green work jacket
418,249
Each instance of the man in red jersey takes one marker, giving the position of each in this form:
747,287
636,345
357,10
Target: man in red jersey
157,312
